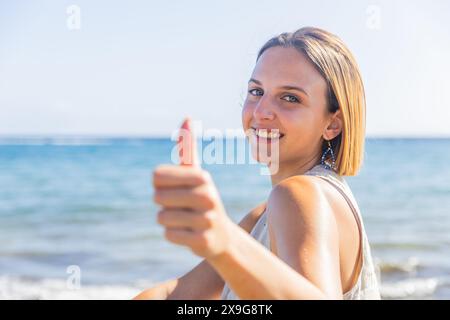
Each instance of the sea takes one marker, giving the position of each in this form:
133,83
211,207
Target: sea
77,219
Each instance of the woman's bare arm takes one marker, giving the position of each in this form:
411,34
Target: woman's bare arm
305,240
202,282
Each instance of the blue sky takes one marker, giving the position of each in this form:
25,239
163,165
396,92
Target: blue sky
139,67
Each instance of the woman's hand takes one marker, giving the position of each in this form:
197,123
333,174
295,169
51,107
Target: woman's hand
191,210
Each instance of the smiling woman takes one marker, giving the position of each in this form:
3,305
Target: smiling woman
328,70
307,241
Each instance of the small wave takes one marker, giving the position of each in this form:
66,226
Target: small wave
410,288
411,265
14,288
19,288
404,245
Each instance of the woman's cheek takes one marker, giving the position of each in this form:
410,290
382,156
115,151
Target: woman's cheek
247,112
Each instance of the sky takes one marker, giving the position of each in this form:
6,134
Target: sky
137,68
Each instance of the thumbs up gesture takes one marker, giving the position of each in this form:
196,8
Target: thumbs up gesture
191,210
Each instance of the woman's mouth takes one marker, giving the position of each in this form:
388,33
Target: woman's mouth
267,134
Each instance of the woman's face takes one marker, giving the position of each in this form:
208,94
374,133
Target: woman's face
287,93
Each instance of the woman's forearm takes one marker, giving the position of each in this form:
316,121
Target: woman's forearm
253,272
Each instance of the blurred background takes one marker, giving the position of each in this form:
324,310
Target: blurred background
90,93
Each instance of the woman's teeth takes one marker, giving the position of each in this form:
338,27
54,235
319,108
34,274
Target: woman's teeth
264,133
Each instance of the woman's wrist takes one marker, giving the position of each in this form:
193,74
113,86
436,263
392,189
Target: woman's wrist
233,234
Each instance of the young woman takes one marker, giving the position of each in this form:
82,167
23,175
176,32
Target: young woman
307,241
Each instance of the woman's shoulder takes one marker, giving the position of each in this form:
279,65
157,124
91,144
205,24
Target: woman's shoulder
313,200
314,206
300,195
319,181
298,188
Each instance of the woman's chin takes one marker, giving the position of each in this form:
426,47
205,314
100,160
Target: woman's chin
262,154
262,158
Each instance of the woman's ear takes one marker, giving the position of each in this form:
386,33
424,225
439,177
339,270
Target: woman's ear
334,127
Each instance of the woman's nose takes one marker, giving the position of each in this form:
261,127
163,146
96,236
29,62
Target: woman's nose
263,111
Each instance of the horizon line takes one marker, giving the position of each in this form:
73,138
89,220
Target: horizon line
165,136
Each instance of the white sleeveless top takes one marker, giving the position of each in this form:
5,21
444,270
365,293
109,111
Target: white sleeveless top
366,286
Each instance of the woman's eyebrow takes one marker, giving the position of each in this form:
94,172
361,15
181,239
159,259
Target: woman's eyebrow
282,87
255,81
294,88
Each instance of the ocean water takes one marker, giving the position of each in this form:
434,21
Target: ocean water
77,220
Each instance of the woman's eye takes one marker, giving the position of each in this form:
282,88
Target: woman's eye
290,98
255,92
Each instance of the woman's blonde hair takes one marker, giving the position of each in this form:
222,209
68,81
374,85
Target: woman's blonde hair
337,65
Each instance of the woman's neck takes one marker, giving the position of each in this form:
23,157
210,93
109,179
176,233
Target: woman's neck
299,167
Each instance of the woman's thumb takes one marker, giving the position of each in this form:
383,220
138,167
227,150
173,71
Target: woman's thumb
187,144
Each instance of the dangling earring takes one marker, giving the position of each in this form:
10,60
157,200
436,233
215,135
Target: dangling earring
333,159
